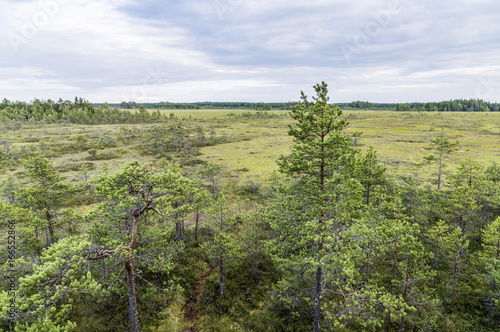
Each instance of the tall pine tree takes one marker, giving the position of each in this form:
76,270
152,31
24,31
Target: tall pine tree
309,215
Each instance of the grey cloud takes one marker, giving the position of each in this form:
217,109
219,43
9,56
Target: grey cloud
415,49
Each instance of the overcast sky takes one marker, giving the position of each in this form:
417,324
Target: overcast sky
249,50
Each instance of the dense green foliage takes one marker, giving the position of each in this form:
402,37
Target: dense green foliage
457,105
358,105
79,111
334,243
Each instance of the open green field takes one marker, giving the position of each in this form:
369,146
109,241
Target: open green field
249,143
399,139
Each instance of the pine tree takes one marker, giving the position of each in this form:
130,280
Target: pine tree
441,147
223,246
308,215
130,195
451,246
49,287
489,257
45,193
371,174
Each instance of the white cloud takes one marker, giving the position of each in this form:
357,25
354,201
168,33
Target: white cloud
247,49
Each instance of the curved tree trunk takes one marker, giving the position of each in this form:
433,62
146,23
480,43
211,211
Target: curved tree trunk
132,303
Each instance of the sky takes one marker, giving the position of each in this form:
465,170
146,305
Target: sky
249,50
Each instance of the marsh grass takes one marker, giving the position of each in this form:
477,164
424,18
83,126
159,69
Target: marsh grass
254,143
398,138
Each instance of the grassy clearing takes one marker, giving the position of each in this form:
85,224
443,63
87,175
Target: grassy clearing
398,138
250,145
261,142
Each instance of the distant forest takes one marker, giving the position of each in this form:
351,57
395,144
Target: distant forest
458,105
79,111
207,105
83,111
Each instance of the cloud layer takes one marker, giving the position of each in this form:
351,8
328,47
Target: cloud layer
249,50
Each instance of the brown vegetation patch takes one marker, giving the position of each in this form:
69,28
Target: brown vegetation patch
191,309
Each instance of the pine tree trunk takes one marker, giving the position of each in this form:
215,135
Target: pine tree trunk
317,299
132,303
182,230
388,320
221,276
177,231
455,268
491,306
368,195
393,278
435,267
319,271
196,225
50,227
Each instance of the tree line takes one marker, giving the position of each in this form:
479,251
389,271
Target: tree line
207,105
84,112
79,111
457,105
